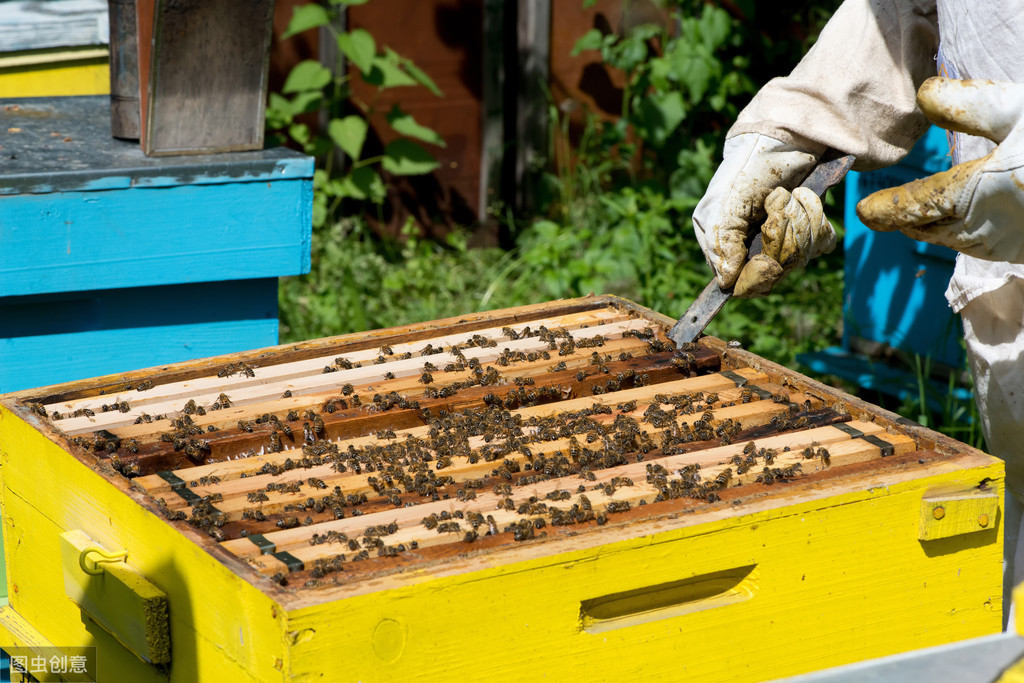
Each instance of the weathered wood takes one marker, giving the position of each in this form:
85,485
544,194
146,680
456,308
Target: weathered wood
207,82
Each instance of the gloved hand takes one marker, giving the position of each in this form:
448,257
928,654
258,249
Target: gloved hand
976,207
751,183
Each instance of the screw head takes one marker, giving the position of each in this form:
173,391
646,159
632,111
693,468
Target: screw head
939,512
983,520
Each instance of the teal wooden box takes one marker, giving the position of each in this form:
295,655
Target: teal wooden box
112,260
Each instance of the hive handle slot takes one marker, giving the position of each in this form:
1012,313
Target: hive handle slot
672,599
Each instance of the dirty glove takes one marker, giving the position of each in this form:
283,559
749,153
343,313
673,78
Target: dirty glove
751,183
976,207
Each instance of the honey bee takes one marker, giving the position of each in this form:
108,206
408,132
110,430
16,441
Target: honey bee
144,385
722,480
287,394
125,468
426,378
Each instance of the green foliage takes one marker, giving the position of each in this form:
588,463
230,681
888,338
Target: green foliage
948,408
617,205
360,281
313,87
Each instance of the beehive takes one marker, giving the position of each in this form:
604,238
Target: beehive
548,490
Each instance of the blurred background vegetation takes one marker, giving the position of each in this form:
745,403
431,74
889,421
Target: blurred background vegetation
611,197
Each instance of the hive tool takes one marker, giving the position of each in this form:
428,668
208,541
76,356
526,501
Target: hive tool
830,170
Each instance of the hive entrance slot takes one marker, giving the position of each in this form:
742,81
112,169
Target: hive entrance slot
672,599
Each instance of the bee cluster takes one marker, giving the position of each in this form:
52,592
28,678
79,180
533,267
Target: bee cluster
412,450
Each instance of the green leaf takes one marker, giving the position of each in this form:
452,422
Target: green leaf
359,48
659,114
421,77
405,157
279,111
630,52
591,40
369,182
306,17
349,133
407,125
305,102
307,75
299,133
387,74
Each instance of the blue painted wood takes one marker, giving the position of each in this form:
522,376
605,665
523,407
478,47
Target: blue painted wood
80,210
52,338
895,286
72,241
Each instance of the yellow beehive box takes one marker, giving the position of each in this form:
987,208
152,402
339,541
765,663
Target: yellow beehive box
547,491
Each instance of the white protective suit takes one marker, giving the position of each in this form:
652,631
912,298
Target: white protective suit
855,92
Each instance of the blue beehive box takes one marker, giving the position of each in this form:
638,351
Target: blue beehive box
894,288
112,261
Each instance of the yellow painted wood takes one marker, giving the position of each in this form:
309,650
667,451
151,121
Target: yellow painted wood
119,599
951,514
795,578
54,73
833,581
1013,674
15,632
222,627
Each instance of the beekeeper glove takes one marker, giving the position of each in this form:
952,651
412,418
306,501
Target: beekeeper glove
976,207
756,168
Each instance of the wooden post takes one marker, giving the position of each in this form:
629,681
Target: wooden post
534,41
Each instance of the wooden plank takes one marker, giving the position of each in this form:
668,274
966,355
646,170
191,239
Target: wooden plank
341,417
346,343
156,485
379,503
297,541
235,491
414,389
206,391
167,398
207,84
